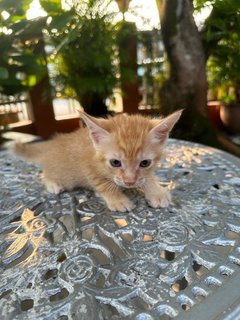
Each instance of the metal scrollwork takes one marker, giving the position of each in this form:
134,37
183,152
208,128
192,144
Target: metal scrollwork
68,257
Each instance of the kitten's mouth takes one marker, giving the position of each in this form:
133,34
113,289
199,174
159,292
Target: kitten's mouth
130,186
121,183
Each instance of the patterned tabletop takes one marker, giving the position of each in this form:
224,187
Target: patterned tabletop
68,257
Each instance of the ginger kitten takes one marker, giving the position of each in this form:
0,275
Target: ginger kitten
106,156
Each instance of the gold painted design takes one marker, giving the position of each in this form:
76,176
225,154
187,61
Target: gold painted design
26,237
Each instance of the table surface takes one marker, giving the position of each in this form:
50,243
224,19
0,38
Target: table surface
68,257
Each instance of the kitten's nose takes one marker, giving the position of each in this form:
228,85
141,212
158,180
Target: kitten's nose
129,183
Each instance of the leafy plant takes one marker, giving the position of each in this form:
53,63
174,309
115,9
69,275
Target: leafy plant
221,39
22,59
223,69
84,57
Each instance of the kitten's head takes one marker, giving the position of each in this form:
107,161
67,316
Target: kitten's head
129,146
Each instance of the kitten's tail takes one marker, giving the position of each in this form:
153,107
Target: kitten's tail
30,151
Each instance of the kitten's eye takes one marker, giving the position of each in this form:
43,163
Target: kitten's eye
115,163
145,163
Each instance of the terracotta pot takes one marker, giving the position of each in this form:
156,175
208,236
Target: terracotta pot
8,117
230,116
213,108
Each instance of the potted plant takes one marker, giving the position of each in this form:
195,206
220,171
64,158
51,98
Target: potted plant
22,64
84,57
224,75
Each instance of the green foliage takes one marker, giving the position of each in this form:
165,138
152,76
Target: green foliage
22,63
224,19
15,8
84,59
223,39
3,73
52,7
83,39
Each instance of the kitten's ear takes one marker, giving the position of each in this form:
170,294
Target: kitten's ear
160,132
97,132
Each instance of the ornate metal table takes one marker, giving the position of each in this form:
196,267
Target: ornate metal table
69,257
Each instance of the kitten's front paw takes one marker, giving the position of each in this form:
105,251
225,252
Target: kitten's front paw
121,204
161,199
52,187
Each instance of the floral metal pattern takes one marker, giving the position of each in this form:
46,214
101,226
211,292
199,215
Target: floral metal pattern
69,257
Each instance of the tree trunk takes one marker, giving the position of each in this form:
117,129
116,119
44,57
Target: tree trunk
186,86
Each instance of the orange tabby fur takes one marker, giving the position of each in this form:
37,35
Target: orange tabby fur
82,158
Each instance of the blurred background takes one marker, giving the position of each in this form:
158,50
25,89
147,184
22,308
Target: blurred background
110,56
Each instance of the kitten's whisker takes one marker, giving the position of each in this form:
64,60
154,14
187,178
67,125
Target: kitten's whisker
110,186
